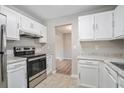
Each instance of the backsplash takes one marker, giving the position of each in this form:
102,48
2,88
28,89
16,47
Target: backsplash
40,48
113,48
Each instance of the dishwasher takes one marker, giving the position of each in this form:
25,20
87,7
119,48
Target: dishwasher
109,78
17,75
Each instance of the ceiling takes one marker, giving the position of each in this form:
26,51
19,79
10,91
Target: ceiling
64,28
46,12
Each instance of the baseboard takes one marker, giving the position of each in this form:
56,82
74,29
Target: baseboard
67,58
74,76
59,58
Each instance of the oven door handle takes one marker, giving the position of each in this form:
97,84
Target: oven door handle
36,58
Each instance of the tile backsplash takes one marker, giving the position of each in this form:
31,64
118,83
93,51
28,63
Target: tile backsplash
40,48
113,48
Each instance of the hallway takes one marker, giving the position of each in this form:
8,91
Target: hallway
64,66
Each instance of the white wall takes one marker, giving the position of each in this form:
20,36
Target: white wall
51,24
59,45
67,46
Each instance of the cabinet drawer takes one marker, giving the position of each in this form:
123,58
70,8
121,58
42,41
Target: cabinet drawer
88,62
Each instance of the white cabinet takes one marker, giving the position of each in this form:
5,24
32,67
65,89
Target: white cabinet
120,82
88,73
37,28
30,26
44,34
104,25
119,22
17,75
109,78
49,63
26,24
96,27
86,27
12,23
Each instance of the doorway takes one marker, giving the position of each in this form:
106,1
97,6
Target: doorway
63,50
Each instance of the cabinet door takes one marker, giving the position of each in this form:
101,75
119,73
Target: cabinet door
120,82
12,23
26,24
86,27
88,76
17,78
104,25
37,28
108,80
119,21
49,64
44,34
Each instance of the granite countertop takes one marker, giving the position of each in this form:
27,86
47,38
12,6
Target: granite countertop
12,59
106,60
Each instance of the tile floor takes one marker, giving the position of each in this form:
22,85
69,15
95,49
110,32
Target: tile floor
58,81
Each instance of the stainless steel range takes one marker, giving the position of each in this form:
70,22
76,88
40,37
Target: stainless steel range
36,64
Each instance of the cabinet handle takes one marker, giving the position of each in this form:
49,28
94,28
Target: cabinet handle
79,75
97,26
17,25
93,26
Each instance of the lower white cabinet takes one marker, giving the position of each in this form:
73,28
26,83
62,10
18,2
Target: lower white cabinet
120,82
49,63
109,78
17,75
89,73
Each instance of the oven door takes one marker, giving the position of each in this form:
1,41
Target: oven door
36,67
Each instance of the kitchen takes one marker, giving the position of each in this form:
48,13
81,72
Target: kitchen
28,46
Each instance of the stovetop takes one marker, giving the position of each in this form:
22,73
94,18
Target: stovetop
26,52
119,65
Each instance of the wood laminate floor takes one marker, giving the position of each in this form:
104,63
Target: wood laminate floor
58,81
64,66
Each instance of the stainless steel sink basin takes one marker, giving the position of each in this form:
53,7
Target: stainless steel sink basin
119,65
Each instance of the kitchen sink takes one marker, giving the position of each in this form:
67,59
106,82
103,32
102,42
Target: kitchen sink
119,65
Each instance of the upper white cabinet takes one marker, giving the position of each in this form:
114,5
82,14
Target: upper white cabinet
96,27
31,26
12,28
37,28
119,22
44,34
86,27
104,25
25,23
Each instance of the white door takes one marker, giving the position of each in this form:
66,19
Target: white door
88,76
12,24
104,25
119,21
86,27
